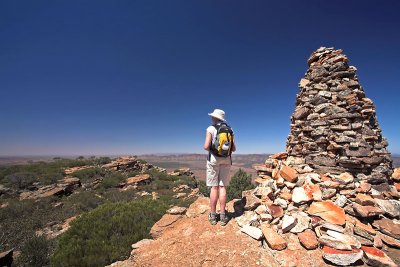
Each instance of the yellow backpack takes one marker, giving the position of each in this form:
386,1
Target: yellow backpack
222,144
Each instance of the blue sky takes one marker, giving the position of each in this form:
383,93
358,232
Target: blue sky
133,77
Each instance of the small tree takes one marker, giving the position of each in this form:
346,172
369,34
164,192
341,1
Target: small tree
240,181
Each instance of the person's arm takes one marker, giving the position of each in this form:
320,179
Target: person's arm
207,142
234,145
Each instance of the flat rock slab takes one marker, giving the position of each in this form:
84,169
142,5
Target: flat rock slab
376,257
342,257
328,211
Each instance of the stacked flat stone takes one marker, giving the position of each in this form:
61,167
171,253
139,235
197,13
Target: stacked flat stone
333,190
334,127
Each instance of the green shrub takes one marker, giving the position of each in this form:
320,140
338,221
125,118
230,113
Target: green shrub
112,180
102,160
105,234
35,252
240,181
20,180
204,189
89,174
83,201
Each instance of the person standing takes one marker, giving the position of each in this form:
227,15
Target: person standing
220,144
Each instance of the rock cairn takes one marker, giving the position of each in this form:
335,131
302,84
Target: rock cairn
131,163
334,127
333,190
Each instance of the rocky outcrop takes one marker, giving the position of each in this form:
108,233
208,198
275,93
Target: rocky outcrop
131,163
64,187
69,171
182,171
334,127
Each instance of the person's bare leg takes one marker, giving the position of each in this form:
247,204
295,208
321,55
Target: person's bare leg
222,198
213,199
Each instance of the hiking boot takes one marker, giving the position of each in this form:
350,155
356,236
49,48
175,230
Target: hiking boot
224,219
212,218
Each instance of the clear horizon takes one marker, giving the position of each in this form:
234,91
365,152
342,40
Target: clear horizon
125,77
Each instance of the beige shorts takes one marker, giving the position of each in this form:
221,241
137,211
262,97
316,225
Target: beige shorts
218,169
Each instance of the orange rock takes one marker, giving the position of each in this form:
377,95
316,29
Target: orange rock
308,239
363,199
396,174
286,196
328,211
397,185
345,178
289,174
274,240
280,155
141,178
324,178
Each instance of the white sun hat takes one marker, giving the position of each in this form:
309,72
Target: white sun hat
218,113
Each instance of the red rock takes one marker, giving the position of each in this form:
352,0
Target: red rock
388,227
280,155
308,239
341,257
366,211
275,210
288,174
396,174
397,186
274,240
376,257
364,200
328,211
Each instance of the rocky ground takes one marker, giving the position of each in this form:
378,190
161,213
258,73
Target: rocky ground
190,240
